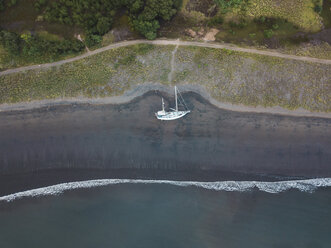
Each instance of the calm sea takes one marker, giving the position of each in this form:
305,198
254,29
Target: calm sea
163,215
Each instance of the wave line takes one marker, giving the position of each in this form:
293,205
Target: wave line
309,185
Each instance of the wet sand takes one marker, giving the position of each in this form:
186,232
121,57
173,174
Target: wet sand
55,144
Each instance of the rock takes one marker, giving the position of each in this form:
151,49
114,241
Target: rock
191,33
210,36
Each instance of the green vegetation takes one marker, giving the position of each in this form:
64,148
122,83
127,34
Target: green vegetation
268,33
322,50
2,5
105,74
229,76
97,16
326,13
266,23
53,26
299,13
249,79
6,4
36,48
39,31
227,4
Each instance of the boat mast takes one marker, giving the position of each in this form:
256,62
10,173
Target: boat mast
162,105
176,98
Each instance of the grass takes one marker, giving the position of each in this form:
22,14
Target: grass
105,74
299,12
8,61
322,51
290,16
253,32
229,76
249,79
3,58
49,36
326,13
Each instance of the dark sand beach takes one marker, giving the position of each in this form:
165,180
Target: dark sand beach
44,146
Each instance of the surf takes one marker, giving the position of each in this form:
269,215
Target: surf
308,185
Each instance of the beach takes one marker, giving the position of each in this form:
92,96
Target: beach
80,141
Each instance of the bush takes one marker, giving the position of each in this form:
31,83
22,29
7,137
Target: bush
92,40
275,26
104,25
268,33
318,9
148,29
2,5
241,24
227,4
11,3
39,4
260,20
35,46
10,41
216,20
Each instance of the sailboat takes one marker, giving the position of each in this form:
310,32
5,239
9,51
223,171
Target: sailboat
174,114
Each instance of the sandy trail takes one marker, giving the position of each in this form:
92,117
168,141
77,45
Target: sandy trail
169,42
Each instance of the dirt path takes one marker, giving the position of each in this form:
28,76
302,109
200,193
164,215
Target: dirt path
169,42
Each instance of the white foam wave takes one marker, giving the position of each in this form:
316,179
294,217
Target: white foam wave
308,185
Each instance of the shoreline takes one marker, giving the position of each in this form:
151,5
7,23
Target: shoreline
308,185
67,143
18,182
140,90
128,136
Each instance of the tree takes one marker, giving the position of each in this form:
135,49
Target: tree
146,28
92,39
268,33
103,25
2,5
10,41
96,16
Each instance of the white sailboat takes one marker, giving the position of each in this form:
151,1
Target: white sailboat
174,114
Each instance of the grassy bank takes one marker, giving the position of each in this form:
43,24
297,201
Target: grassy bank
298,12
234,77
105,74
249,79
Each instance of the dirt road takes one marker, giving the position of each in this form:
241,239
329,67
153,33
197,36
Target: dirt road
169,42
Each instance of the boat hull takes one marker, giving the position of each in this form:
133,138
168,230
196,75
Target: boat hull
168,116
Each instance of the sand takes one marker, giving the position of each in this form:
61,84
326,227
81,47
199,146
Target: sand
59,143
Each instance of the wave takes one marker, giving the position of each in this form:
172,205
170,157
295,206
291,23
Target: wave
309,185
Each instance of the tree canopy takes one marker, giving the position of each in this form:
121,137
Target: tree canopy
34,46
97,16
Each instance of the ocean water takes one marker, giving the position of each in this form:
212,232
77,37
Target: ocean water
139,214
